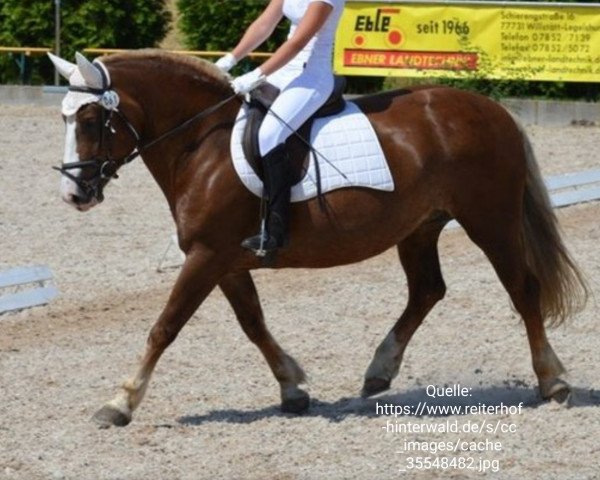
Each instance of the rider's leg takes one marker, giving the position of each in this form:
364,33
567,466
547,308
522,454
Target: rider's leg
277,191
294,105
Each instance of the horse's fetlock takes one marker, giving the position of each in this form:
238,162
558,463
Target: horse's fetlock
290,371
131,386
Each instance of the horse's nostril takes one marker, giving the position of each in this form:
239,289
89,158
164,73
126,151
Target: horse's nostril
76,199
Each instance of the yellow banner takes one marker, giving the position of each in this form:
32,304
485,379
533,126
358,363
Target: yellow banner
469,41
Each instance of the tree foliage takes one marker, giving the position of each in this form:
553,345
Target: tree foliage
205,24
85,23
529,89
217,25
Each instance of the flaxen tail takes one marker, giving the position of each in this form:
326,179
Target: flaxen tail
563,290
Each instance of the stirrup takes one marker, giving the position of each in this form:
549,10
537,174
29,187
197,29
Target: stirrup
261,244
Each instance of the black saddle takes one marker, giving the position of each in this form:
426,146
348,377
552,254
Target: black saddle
297,146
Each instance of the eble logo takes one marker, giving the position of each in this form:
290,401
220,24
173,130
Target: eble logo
380,23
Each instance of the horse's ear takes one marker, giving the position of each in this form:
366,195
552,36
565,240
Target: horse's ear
91,75
63,67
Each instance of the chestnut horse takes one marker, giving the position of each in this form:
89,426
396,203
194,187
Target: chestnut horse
452,155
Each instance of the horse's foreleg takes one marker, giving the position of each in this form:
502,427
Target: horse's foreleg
419,257
241,293
200,273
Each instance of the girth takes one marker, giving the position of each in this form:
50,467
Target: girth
261,100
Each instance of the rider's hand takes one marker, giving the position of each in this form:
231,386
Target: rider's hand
226,63
248,82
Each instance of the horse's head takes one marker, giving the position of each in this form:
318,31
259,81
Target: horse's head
99,138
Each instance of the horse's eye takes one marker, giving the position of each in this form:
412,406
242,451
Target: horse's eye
88,125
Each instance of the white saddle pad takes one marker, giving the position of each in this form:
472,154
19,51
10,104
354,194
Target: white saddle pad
349,155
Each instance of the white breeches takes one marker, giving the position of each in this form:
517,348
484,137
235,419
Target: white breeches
303,91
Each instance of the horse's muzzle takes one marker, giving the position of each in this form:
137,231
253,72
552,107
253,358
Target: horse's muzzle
84,193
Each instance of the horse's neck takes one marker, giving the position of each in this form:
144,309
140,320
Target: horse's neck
169,108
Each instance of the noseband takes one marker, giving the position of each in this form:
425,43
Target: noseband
105,166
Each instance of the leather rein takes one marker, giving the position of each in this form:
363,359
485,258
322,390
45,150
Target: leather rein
105,166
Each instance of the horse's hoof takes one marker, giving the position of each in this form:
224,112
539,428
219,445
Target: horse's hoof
109,416
373,386
299,403
557,390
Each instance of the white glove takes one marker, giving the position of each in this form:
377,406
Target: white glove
226,63
248,82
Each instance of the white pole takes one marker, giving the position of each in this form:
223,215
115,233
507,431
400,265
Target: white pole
56,36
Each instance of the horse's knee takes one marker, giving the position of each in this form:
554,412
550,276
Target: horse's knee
161,336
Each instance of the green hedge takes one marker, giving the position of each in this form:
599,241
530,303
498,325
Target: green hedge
525,89
85,23
205,25
219,25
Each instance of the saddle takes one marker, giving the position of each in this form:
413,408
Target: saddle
297,145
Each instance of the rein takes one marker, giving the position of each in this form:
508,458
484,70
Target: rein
106,167
137,151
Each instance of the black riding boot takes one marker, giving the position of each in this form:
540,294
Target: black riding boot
277,190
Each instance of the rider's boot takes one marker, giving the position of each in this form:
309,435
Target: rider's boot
277,190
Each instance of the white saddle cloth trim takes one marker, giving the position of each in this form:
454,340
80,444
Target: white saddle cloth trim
347,141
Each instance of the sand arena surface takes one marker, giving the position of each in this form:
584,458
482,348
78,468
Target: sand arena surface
212,408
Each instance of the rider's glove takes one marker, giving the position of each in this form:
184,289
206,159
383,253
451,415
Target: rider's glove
226,62
248,82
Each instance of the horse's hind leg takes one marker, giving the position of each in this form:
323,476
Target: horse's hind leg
501,244
419,257
241,293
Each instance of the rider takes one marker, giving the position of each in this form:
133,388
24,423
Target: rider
302,70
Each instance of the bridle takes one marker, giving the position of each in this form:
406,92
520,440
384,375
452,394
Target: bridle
104,164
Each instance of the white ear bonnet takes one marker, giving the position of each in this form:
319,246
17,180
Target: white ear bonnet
89,82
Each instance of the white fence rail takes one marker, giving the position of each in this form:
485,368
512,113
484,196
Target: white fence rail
24,287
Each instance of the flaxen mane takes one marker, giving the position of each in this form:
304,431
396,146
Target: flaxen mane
196,66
